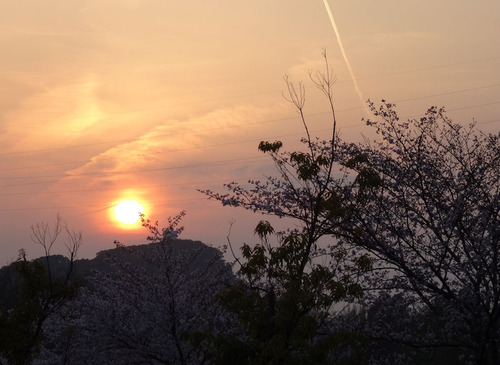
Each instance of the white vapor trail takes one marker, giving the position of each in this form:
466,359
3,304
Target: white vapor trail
344,55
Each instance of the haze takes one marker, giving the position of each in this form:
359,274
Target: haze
102,101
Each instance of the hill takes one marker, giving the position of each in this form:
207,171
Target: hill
105,261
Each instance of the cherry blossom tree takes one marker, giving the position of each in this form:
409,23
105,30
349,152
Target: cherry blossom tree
420,206
149,306
433,224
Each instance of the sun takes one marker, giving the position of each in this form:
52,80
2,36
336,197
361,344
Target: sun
128,211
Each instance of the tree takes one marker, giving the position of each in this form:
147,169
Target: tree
42,293
150,306
285,309
420,207
288,289
433,223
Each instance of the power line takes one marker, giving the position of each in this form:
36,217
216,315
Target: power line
240,141
450,92
114,188
239,125
136,139
214,163
402,72
115,173
99,206
429,68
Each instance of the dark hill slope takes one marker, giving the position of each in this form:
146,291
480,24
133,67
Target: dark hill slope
197,252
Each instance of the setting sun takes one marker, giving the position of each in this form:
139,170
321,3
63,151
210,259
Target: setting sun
128,211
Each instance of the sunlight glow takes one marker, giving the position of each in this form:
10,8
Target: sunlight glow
128,211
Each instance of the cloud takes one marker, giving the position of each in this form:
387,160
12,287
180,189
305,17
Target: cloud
172,145
55,116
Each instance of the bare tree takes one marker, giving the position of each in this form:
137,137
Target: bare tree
42,293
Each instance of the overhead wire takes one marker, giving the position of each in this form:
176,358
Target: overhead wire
99,206
138,186
191,148
251,123
278,92
224,144
138,171
161,169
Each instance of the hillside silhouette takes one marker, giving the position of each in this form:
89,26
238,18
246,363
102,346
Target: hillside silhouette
104,261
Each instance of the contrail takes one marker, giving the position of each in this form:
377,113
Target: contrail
344,55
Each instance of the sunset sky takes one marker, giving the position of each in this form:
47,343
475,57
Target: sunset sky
149,100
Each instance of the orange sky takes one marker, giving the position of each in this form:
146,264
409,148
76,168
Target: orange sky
151,99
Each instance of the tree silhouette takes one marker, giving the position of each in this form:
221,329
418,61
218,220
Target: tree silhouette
42,293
